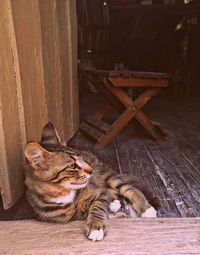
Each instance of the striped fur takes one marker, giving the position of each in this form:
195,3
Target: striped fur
64,184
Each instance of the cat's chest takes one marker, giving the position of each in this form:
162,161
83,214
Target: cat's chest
67,199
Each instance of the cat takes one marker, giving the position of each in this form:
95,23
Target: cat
64,184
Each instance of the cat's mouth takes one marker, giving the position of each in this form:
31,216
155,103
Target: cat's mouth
79,183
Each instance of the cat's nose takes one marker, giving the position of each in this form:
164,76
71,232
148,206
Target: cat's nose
83,165
88,170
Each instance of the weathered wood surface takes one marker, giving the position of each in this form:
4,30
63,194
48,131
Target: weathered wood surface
38,81
30,55
170,167
12,129
67,33
99,124
124,237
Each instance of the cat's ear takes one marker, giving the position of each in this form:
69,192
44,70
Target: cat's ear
34,153
50,135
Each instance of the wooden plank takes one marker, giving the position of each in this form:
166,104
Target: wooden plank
93,132
52,63
125,236
180,185
26,17
138,82
134,161
178,157
144,97
49,84
67,32
99,124
186,139
110,97
153,129
118,93
12,133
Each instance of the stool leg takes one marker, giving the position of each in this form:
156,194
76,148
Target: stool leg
153,129
116,127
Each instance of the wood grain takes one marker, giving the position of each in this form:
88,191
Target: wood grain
26,18
12,135
52,63
124,237
38,81
67,34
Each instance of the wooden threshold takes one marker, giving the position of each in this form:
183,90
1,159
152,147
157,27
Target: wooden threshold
163,236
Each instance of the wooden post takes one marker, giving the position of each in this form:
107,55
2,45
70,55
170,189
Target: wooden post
28,32
38,81
12,132
67,26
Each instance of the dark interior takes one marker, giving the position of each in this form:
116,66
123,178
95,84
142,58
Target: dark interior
157,38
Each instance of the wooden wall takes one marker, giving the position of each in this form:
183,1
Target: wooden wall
38,80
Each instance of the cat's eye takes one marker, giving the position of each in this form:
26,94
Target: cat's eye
61,179
72,165
71,172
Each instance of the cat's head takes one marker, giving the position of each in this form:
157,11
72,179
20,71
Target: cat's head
52,162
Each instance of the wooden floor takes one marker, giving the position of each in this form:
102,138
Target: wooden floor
124,237
171,167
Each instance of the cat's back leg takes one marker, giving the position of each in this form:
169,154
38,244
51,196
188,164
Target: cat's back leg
134,196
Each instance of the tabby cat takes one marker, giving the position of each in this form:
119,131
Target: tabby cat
64,184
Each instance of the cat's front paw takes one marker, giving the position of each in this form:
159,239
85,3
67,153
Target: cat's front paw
149,213
115,206
96,235
95,231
